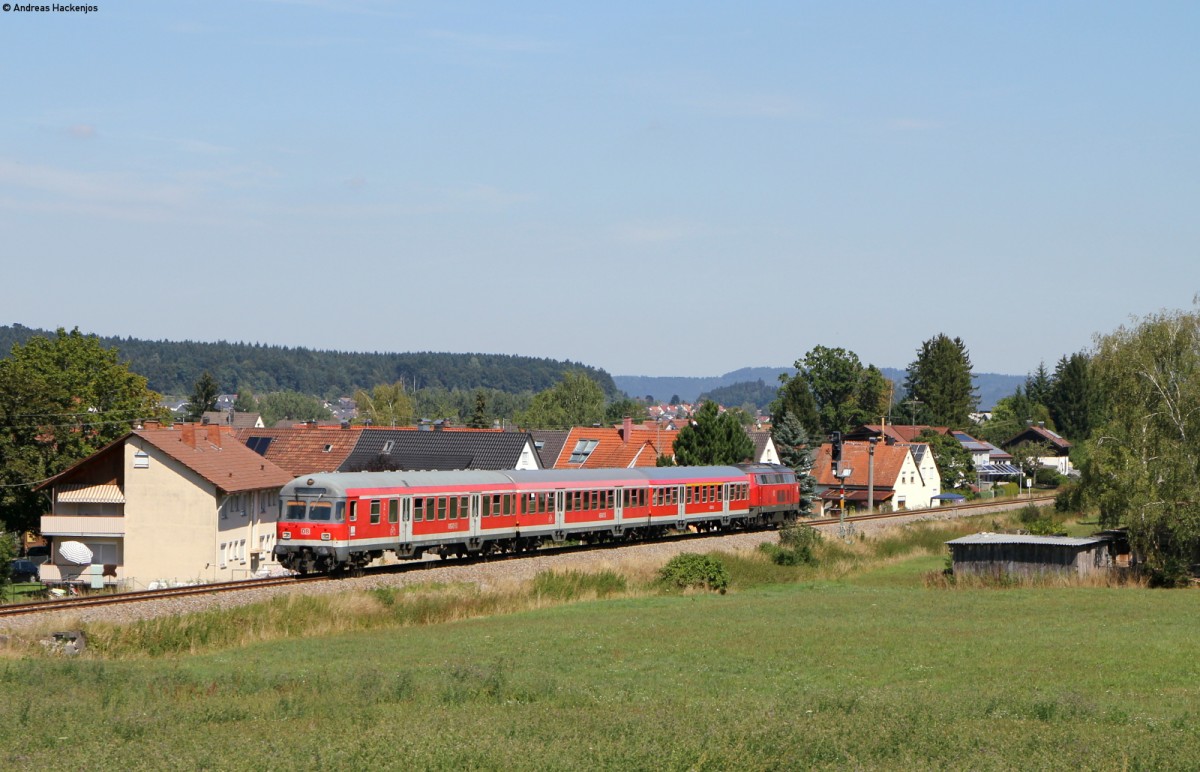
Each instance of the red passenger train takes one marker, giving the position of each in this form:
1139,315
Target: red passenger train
338,521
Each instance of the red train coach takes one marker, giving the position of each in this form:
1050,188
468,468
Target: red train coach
337,521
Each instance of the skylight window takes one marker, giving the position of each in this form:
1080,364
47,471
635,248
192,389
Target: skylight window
582,450
387,447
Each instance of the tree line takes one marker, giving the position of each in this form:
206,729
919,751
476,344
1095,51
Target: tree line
173,367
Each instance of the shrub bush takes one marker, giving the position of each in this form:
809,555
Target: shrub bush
692,570
796,547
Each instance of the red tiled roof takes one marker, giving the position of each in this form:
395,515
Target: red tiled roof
306,449
856,458
612,450
216,455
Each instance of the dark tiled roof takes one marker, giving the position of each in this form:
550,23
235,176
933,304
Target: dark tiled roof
232,418
418,450
551,441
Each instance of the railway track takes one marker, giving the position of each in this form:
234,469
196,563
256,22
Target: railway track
110,599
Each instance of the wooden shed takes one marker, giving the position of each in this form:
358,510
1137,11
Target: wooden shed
1000,553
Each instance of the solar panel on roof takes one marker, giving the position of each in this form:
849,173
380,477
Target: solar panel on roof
259,444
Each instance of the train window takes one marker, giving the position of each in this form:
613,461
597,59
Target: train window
485,506
543,503
294,511
374,511
454,508
608,499
418,510
577,500
569,502
320,510
441,507
394,511
464,506
354,511
508,504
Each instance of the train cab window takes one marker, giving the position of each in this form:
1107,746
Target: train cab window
295,510
374,511
354,511
394,511
441,507
320,510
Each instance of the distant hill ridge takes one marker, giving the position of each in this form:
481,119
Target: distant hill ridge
991,386
173,367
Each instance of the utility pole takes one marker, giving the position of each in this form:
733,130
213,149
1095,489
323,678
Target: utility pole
871,474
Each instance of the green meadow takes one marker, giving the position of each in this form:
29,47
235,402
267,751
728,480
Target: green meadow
864,661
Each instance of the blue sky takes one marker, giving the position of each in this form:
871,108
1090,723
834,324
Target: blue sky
652,188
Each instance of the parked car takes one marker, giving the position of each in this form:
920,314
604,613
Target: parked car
22,570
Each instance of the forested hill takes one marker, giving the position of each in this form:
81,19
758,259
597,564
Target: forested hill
991,386
173,367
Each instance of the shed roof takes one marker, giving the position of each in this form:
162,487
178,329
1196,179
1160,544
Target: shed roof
1012,538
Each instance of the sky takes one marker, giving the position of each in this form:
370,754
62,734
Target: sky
653,188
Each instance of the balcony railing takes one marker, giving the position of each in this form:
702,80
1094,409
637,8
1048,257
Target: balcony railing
77,525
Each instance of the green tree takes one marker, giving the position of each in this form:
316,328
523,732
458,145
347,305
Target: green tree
292,406
576,400
616,411
713,438
796,399
1142,471
954,463
844,393
1072,401
479,416
795,452
61,399
204,396
1038,385
384,405
245,402
940,379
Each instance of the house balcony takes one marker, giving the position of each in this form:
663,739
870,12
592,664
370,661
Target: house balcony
82,525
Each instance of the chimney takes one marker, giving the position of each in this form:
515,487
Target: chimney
1041,424
626,429
152,423
189,434
214,434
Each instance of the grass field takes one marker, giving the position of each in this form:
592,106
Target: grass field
855,664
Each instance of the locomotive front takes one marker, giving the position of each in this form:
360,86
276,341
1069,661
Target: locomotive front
312,534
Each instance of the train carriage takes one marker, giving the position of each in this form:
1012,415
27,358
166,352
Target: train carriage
335,521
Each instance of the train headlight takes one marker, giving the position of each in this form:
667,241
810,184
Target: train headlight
286,535
326,536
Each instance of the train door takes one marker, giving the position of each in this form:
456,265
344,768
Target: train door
476,509
681,510
405,534
619,503
725,498
559,507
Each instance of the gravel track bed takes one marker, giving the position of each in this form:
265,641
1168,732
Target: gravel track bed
486,575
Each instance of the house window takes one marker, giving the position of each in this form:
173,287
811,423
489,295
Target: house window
582,450
223,554
141,460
